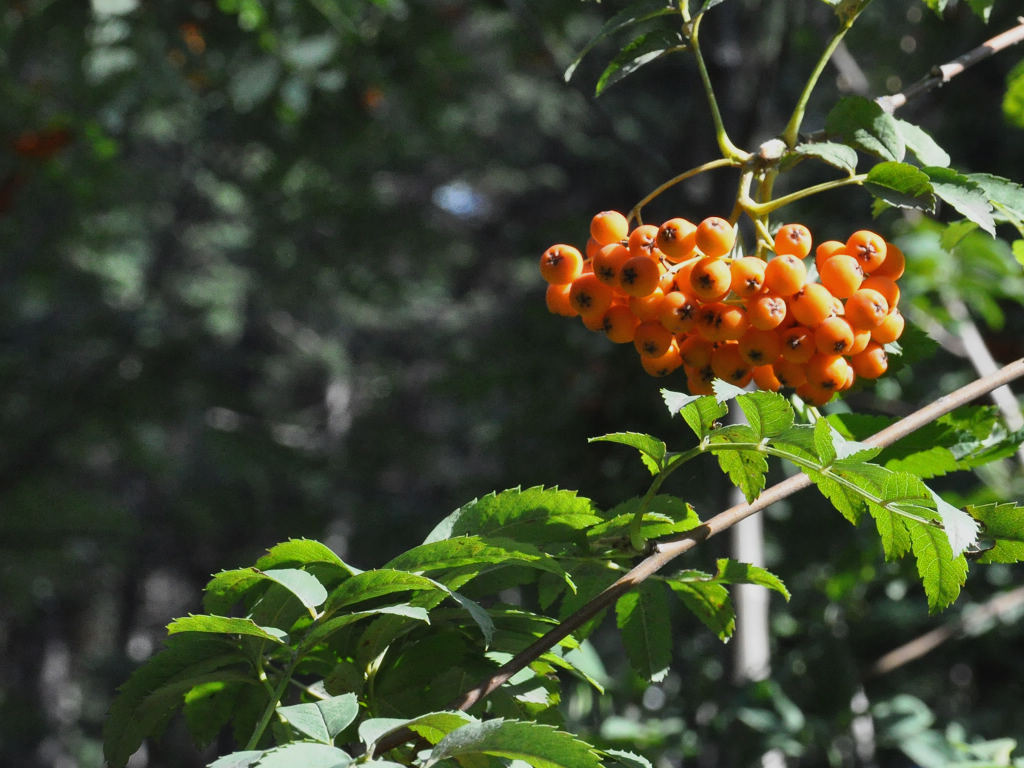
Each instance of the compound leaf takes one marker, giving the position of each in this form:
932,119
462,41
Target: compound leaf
541,746
642,618
942,573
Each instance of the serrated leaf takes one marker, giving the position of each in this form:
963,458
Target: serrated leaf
652,451
1007,196
304,585
746,468
865,125
432,726
961,528
724,391
370,585
901,185
301,552
1013,99
706,599
1004,524
955,232
1018,251
838,155
224,625
618,757
676,401
701,412
734,572
642,618
924,147
322,720
634,13
639,52
941,573
665,515
541,746
768,413
965,195
242,759
322,630
305,754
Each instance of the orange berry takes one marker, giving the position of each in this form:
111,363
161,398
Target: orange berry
765,378
707,320
866,309
557,300
797,344
681,274
715,236
885,286
609,227
868,248
784,275
639,276
827,371
619,324
826,251
710,279
589,296
871,363
813,394
561,264
698,380
695,351
890,329
841,274
729,365
663,364
678,312
591,249
811,304
833,336
747,276
790,374
794,240
677,239
760,347
647,307
643,242
893,265
608,262
766,311
860,342
593,322
652,339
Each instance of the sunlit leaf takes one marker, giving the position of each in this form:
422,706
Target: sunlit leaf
652,451
863,124
541,746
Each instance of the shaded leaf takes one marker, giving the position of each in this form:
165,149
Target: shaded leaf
639,52
1004,524
865,125
322,720
965,195
924,147
839,155
643,620
370,585
305,754
322,630
432,726
241,759
636,13
707,599
652,451
734,572
305,586
901,185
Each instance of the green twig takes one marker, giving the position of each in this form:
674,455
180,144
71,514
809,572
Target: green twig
722,162
271,707
759,210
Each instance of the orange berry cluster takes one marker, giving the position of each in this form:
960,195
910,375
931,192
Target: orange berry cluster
683,301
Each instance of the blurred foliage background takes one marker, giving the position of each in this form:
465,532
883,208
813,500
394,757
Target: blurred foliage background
268,270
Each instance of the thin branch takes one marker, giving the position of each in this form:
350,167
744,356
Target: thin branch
942,74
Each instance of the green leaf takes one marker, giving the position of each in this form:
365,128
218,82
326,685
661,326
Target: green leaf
541,746
322,720
941,573
965,195
242,759
322,630
537,515
370,585
865,125
699,411
839,155
981,8
745,468
305,754
724,391
224,625
636,13
733,572
961,528
924,147
1018,251
304,585
769,414
640,51
665,515
1013,99
617,757
1006,196
901,185
1003,524
301,552
432,726
652,451
707,599
642,618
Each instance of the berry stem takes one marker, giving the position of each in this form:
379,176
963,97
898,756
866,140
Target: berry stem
722,162
759,210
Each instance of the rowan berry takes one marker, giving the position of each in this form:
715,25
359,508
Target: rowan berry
557,300
561,264
732,322
788,373
609,227
760,347
677,238
698,380
594,321
890,329
826,251
841,274
678,312
811,304
647,307
885,286
729,365
639,276
642,242
868,248
710,279
827,371
871,363
894,264
833,336
695,351
794,240
860,341
608,262
663,364
591,249
747,276
784,275
813,394
652,339
765,378
797,344
866,309
589,296
619,324
681,274
715,236
766,311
